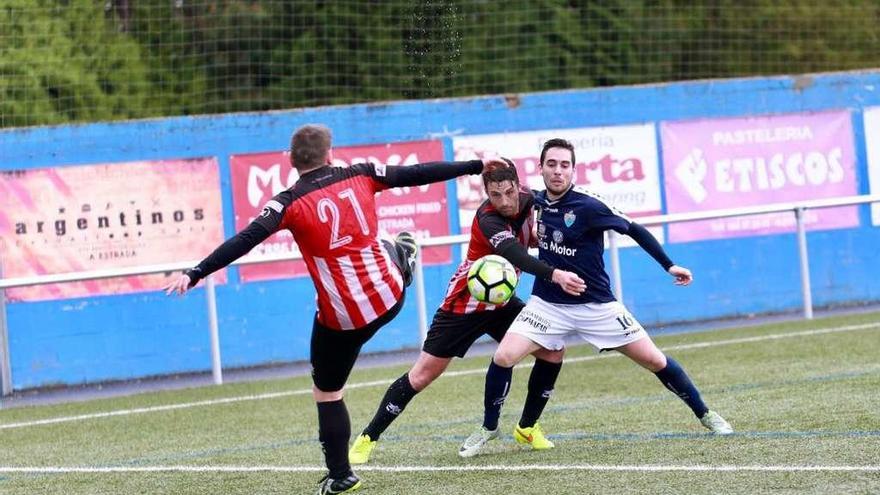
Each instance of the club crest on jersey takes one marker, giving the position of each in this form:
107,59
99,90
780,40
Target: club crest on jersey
569,218
557,237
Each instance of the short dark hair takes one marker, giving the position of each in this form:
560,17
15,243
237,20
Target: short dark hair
501,174
557,143
309,146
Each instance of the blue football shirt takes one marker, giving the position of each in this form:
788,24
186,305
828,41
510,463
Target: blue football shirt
571,237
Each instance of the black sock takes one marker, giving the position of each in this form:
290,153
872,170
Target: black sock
334,431
541,383
396,398
497,386
676,380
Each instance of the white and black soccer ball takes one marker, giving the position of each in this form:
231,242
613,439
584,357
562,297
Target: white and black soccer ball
492,279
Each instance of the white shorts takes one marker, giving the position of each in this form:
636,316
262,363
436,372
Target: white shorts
603,325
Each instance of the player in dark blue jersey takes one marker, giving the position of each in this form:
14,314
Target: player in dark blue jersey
571,228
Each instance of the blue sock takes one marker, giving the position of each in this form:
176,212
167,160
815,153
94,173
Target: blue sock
675,379
497,386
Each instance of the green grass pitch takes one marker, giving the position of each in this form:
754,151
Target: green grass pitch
797,398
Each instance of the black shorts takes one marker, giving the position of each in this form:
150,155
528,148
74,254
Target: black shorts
453,334
333,352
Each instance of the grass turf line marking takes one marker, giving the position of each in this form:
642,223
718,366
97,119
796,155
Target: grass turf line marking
417,469
275,395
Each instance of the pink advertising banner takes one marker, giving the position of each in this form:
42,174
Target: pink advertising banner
620,163
422,210
730,163
90,217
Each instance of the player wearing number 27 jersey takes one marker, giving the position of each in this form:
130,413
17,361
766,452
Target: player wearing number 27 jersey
332,215
331,212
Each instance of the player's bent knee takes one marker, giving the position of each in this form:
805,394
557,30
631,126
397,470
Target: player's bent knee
652,363
657,364
549,356
422,376
426,370
419,381
506,359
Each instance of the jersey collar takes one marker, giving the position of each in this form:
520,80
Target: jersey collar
314,171
560,198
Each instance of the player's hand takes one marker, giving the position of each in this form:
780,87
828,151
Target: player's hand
682,275
494,163
179,286
570,282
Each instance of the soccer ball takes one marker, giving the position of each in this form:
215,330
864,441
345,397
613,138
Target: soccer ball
492,279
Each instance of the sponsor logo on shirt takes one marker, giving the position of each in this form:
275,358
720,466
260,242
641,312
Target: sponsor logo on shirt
557,248
557,237
500,237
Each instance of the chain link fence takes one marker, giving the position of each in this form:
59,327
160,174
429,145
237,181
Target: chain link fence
84,60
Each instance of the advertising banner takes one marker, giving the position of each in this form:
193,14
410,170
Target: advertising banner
730,163
68,219
619,163
872,144
422,210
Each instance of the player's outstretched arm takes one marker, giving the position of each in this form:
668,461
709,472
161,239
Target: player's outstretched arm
430,172
650,244
235,247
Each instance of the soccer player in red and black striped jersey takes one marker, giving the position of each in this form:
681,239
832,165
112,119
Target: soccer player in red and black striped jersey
359,279
502,225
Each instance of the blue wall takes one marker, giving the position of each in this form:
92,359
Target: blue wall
118,337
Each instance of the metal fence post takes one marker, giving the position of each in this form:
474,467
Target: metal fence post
805,262
615,265
421,304
213,327
5,368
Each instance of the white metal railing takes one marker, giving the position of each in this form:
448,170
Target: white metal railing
797,208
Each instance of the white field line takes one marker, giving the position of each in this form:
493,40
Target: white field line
275,395
416,469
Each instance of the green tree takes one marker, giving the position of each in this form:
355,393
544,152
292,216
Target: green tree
66,63
83,60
